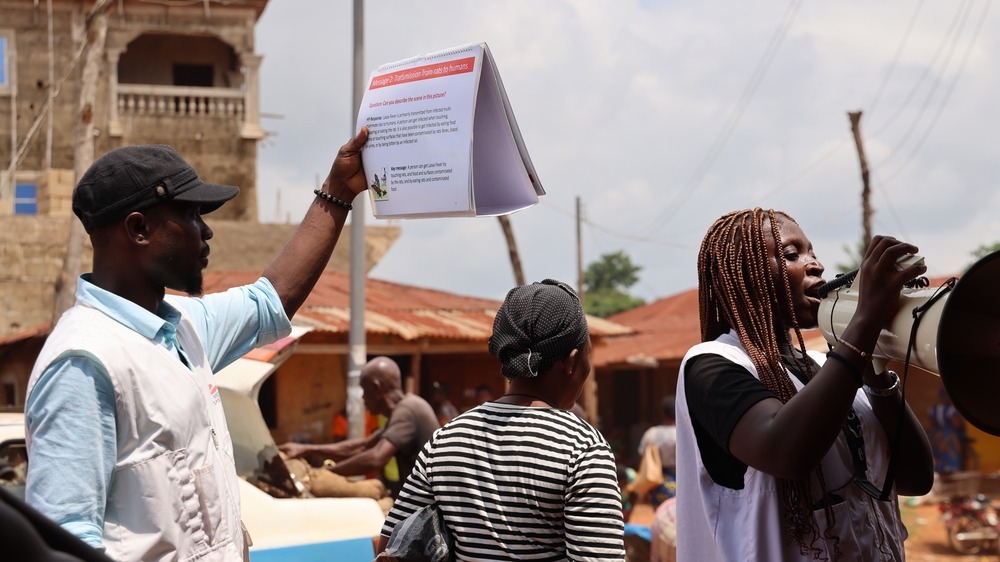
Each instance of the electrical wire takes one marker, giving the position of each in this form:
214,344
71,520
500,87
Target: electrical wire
952,38
872,105
944,102
705,165
609,231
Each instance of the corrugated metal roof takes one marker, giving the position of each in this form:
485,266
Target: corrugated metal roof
405,311
664,330
27,333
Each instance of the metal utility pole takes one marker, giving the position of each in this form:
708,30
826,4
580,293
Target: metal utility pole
515,256
579,249
866,208
589,394
96,32
358,355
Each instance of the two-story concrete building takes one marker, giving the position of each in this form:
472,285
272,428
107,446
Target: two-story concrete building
184,74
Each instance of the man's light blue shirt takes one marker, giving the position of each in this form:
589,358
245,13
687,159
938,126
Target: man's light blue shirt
70,413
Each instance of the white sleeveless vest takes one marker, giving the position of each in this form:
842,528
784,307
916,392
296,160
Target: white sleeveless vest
174,493
716,523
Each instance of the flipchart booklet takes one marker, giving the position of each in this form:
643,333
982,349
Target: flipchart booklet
443,141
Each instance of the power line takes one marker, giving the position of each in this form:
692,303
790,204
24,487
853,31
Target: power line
944,102
895,59
950,40
609,231
822,158
733,120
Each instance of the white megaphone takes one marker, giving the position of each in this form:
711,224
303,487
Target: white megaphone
957,335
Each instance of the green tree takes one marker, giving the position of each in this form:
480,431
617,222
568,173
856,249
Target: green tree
854,256
983,251
605,283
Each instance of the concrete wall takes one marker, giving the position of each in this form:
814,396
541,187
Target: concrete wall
143,42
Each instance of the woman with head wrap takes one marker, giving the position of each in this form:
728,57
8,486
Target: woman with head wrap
522,478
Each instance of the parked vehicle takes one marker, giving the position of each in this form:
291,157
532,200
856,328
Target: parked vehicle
972,523
285,522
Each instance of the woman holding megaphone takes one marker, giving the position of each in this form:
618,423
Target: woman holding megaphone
783,454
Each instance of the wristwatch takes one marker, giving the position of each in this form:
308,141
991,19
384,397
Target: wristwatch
883,392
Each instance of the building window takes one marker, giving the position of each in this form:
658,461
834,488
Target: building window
6,44
25,199
194,75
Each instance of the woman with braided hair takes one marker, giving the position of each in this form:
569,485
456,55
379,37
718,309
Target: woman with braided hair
521,477
784,454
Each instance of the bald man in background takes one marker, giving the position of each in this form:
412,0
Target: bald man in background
411,423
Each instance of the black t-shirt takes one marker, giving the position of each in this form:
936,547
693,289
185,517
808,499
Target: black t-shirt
719,392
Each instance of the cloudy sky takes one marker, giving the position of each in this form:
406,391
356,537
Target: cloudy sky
663,115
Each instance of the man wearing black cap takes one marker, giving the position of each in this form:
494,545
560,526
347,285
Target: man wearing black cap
127,439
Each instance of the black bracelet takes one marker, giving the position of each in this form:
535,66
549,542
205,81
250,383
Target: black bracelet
846,363
335,200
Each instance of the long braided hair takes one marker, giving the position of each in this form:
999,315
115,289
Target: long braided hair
738,290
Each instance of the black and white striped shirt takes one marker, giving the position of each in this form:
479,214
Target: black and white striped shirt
519,483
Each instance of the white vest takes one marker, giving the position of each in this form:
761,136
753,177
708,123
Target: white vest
716,523
174,493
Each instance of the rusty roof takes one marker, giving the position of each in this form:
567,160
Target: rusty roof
405,311
40,330
664,330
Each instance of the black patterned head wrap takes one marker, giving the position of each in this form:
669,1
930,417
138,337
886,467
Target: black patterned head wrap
536,326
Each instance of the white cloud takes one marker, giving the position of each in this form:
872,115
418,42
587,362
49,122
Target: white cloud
620,102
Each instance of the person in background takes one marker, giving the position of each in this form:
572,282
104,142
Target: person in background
783,454
663,533
948,436
626,475
126,435
484,393
411,422
664,438
340,426
441,400
520,477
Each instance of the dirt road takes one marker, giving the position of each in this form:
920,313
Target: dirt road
928,540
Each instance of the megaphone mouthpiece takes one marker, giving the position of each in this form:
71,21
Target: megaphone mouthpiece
841,280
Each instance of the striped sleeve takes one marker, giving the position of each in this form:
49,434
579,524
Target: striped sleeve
594,526
416,493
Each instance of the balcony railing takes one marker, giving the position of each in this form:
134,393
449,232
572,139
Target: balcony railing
180,101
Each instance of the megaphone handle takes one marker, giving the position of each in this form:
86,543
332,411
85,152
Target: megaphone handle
880,364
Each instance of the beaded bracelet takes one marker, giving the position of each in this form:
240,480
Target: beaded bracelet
854,370
864,355
332,199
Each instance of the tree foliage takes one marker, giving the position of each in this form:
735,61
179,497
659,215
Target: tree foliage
854,254
606,282
983,251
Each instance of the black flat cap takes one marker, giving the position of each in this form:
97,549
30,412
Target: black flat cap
132,178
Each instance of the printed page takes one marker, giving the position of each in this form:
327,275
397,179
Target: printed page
419,113
504,181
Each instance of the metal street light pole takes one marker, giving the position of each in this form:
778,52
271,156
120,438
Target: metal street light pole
357,355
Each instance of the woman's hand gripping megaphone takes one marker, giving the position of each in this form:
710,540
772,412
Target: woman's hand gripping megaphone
886,267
